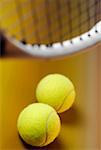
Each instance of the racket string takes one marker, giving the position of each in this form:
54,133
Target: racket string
69,18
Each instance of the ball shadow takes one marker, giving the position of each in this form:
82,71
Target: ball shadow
72,116
54,145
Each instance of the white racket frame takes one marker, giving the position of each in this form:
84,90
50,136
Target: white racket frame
68,47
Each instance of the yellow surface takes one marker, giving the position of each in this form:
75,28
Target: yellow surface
18,79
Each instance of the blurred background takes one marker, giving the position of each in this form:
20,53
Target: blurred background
81,125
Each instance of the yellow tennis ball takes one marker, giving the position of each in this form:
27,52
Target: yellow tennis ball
38,124
57,91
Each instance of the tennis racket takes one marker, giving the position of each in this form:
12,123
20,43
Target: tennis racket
51,28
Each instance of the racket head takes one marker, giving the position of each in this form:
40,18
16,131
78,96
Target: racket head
48,21
51,28
68,47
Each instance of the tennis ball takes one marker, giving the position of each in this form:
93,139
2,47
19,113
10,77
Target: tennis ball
38,124
57,91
